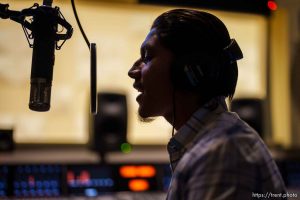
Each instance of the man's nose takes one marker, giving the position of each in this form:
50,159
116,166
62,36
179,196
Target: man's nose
135,71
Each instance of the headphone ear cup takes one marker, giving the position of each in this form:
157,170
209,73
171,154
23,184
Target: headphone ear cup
186,74
178,75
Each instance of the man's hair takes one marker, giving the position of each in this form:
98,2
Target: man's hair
188,32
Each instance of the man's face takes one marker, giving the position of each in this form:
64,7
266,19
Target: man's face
151,74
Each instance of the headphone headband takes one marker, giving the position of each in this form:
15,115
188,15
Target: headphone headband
195,70
233,51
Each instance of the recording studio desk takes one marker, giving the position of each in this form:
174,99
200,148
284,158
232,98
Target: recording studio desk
80,154
75,172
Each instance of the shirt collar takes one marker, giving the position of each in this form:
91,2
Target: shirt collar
196,126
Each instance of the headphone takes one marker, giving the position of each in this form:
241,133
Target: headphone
194,71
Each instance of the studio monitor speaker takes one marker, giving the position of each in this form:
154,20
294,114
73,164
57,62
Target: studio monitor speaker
109,125
251,110
6,140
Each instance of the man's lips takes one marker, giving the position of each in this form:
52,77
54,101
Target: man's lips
139,88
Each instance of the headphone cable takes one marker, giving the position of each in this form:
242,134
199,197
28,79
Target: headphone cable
174,113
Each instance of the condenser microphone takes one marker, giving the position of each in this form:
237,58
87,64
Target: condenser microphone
44,28
40,25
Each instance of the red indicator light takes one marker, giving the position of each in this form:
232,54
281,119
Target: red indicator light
132,171
147,171
31,181
70,177
138,185
272,5
128,171
84,177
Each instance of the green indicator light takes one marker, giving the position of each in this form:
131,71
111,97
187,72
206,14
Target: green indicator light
126,148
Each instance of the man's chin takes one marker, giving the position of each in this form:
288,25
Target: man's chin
144,117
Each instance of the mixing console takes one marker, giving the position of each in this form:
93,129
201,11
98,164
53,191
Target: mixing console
78,181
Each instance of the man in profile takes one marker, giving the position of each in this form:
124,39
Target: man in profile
186,70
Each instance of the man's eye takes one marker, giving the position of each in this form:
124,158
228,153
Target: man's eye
147,58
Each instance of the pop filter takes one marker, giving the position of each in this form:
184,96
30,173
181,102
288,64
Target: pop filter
93,78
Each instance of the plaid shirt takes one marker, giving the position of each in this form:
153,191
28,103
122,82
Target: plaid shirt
216,155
